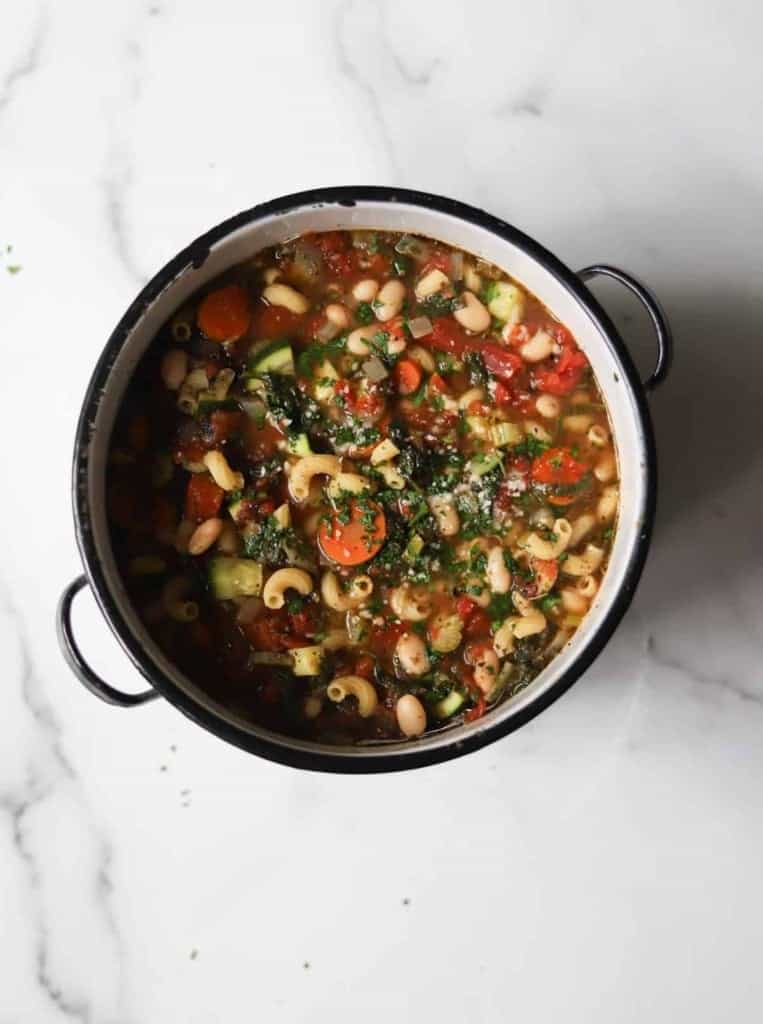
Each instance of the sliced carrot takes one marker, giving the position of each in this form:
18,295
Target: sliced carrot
437,384
353,543
560,500
407,375
224,314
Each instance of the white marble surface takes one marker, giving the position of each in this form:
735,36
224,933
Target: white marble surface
604,864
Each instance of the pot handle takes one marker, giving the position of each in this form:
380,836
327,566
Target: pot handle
76,662
656,315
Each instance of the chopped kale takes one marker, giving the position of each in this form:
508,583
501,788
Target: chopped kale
475,366
437,305
364,313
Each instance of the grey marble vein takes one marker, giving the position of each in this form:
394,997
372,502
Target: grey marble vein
349,69
721,681
119,171
26,65
47,773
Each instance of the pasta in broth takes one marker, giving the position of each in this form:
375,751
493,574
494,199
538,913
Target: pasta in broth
363,487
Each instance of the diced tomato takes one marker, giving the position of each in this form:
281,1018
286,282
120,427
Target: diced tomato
203,498
222,424
261,443
438,384
376,264
268,632
447,336
368,404
364,666
384,641
498,361
478,624
464,607
274,322
564,376
304,623
557,467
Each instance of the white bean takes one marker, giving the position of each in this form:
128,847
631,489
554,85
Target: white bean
423,358
411,716
338,314
548,406
174,368
430,283
497,572
539,347
286,296
472,316
204,536
486,670
271,275
445,514
598,436
411,654
358,341
389,301
365,291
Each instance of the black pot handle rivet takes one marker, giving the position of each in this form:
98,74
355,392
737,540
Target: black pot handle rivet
653,308
76,661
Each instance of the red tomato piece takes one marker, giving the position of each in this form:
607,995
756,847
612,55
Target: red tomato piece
464,607
557,467
203,498
478,624
565,374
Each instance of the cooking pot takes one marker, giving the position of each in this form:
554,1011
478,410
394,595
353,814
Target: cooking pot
456,224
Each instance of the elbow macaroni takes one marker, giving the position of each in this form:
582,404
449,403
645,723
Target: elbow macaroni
354,686
281,581
303,471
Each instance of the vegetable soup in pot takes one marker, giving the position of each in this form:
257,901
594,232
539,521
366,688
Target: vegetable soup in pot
362,487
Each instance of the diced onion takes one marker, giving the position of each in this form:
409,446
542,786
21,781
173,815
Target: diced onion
420,326
412,246
327,331
374,369
457,265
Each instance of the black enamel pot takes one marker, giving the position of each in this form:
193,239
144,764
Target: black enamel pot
563,291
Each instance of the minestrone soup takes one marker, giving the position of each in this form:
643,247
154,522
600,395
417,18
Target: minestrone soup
363,487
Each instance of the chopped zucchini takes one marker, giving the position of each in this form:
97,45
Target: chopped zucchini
384,451
448,705
414,549
484,463
275,357
505,301
307,660
502,434
299,444
235,577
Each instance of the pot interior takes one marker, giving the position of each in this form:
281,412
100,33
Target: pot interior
272,228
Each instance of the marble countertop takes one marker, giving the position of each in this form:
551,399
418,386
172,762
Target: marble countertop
604,863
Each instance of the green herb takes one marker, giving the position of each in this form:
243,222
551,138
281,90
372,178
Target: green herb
530,447
400,264
445,363
437,305
273,544
317,352
364,313
548,602
294,605
500,607
475,366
